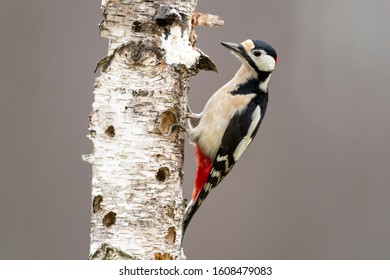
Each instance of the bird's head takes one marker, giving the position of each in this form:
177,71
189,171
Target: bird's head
257,54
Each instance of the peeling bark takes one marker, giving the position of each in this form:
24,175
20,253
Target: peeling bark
137,177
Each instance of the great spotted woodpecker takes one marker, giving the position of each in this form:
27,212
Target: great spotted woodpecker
230,119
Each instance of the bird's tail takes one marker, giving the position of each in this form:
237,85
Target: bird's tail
191,209
188,214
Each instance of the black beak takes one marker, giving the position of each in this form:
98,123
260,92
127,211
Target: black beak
236,48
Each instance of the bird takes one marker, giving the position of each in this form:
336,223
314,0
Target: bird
230,119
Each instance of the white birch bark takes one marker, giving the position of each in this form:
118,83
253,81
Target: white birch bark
137,175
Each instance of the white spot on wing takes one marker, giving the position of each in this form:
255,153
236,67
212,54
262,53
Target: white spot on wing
207,187
215,173
241,147
222,158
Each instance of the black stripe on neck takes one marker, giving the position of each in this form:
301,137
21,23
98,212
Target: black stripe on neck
249,86
261,75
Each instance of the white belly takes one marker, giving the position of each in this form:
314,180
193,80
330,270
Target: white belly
215,119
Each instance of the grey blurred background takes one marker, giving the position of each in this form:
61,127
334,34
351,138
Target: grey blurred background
314,183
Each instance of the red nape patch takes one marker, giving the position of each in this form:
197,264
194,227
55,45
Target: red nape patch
204,167
276,60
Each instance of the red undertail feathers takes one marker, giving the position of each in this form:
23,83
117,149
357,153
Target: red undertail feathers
202,173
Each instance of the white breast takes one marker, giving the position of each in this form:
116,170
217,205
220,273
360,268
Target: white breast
215,118
218,112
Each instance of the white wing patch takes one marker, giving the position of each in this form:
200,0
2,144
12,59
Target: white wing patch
225,160
216,174
241,147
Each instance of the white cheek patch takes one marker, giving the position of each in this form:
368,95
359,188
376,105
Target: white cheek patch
264,62
268,63
241,147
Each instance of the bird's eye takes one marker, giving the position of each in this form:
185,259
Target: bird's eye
257,53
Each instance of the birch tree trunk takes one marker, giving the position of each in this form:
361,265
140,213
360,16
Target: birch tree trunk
137,175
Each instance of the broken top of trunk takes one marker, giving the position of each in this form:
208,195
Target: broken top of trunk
173,31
